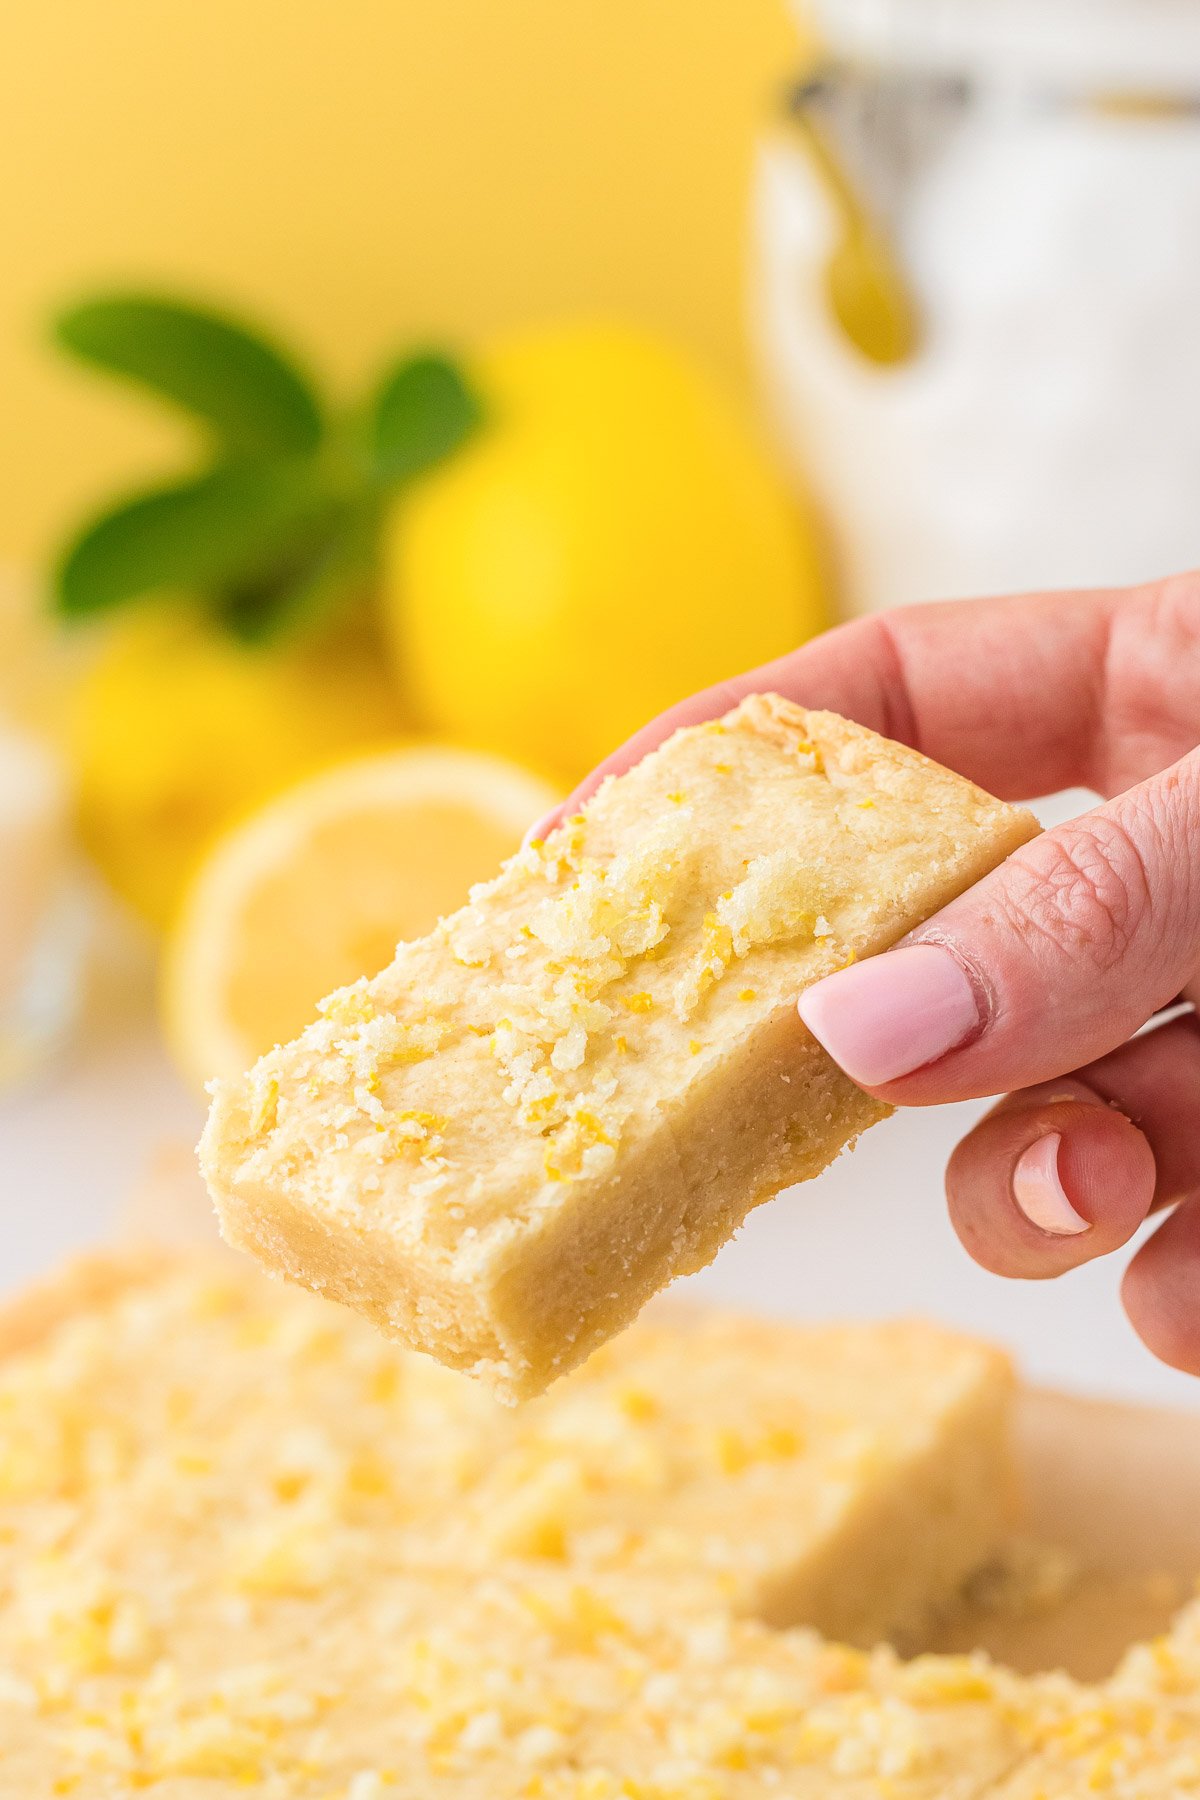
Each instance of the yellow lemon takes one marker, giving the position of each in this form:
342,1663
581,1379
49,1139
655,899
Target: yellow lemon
611,538
176,729
316,888
38,663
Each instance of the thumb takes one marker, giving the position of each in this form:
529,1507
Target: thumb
1046,964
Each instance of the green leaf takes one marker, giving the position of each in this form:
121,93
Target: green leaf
221,528
300,592
250,394
421,412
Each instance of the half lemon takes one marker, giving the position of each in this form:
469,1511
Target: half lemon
319,886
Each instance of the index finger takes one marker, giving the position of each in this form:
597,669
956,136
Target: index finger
1007,692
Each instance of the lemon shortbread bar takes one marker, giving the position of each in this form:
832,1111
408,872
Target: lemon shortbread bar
220,1571
1081,1742
552,1688
1135,1738
847,1477
577,1086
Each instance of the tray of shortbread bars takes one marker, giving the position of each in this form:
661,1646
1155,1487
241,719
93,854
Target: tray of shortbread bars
450,1512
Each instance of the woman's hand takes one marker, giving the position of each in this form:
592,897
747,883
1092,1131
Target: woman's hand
1033,982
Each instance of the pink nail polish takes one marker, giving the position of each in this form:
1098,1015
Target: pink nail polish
1039,1192
541,828
891,1014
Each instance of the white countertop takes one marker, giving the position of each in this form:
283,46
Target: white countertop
869,1237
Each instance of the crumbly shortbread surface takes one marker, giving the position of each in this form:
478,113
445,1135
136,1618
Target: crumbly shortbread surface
222,1573
576,1087
1112,1741
1138,1738
842,1476
847,1477
223,1566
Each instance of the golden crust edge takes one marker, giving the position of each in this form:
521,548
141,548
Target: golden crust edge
773,716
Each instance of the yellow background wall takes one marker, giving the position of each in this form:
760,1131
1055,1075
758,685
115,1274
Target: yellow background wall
360,170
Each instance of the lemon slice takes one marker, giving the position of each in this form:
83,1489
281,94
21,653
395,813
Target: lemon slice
318,887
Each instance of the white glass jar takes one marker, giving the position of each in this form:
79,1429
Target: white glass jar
41,915
1034,166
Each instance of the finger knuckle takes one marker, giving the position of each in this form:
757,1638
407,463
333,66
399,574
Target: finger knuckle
1084,890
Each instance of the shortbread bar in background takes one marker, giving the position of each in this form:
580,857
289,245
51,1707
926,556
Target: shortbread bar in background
1136,1737
223,1568
1107,1741
845,1477
576,1087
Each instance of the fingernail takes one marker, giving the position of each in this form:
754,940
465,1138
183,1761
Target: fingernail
885,1017
1039,1192
541,828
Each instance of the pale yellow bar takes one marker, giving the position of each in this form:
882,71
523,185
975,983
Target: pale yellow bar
247,1545
576,1087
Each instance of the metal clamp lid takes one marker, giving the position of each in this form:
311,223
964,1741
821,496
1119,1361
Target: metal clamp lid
1077,46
